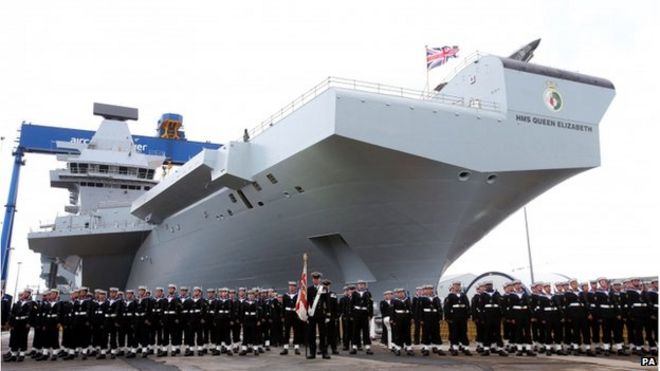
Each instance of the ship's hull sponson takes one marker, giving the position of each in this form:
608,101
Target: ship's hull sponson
386,189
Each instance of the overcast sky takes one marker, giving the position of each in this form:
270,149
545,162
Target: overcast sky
228,65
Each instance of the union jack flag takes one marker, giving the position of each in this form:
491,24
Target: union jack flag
438,56
301,302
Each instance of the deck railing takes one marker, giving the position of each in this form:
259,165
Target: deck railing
371,87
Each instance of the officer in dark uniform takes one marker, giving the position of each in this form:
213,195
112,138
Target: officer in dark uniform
457,311
224,309
83,310
576,305
22,316
332,318
144,320
113,319
276,316
618,296
317,316
652,323
346,321
490,303
196,308
128,330
522,317
292,321
171,311
638,313
209,331
237,327
477,317
250,318
386,314
429,313
402,315
66,321
361,312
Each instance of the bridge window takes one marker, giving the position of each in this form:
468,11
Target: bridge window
73,167
82,168
103,169
150,174
142,173
123,170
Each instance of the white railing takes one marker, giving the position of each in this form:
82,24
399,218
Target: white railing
371,87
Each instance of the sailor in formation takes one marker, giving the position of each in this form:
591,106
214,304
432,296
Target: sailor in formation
549,319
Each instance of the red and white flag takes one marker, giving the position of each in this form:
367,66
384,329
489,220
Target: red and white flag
301,302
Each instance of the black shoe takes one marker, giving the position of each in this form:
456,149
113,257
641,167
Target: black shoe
502,353
410,353
297,352
530,353
467,352
353,351
188,353
112,356
83,356
369,352
398,352
242,353
326,356
548,352
120,353
261,350
561,352
344,348
215,352
453,352
441,352
336,352
256,352
20,358
311,356
519,353
130,355
284,352
200,353
268,349
100,356
54,357
622,352
590,353
425,352
12,359
230,353
485,352
145,354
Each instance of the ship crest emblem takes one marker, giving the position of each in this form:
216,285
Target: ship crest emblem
552,98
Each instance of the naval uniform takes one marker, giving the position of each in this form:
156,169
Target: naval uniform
317,320
386,315
68,332
606,311
521,313
402,315
172,324
238,324
490,303
346,321
195,308
276,322
477,317
83,310
99,329
550,315
250,315
292,321
144,322
457,312
638,315
128,331
113,321
429,312
576,316
224,308
361,311
617,327
332,322
652,322
23,315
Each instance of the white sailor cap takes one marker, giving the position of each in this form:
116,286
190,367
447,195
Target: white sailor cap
453,283
602,279
616,282
516,282
114,289
223,289
626,280
158,288
292,283
388,292
55,291
418,288
428,286
585,283
197,288
103,292
654,280
96,291
130,291
488,282
251,292
545,284
270,290
120,293
27,289
210,289
242,289
183,288
142,288
85,288
594,281
400,289
572,280
171,286
361,281
232,291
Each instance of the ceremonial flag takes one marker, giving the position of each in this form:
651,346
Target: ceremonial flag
301,302
438,56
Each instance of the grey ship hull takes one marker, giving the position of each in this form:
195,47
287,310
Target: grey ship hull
402,220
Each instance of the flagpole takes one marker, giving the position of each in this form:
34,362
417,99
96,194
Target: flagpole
427,71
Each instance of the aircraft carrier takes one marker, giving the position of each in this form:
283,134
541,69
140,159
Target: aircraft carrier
374,182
